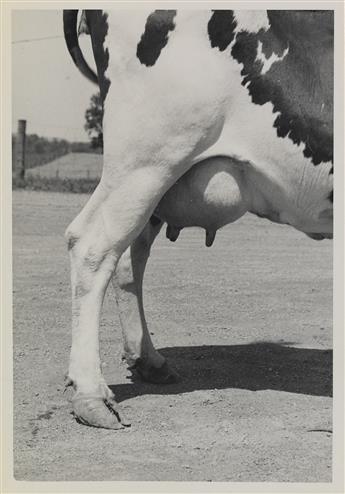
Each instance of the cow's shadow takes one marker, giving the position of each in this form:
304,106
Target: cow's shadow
256,366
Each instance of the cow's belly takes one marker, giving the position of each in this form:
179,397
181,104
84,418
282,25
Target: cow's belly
219,190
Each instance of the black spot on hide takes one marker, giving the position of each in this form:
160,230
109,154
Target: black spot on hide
221,28
300,87
98,25
155,36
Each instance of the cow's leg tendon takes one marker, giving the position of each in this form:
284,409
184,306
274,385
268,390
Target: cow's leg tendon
139,351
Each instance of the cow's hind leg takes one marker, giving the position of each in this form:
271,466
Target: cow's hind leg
97,241
139,351
92,263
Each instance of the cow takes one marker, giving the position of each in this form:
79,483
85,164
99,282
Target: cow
208,114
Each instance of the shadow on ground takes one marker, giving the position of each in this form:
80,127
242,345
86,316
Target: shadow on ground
256,366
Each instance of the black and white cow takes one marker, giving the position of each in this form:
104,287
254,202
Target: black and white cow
208,114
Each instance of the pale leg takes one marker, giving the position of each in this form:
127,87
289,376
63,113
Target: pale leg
139,351
97,242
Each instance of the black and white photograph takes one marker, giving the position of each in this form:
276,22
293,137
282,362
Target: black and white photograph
172,269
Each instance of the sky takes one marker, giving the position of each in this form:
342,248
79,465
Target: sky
47,89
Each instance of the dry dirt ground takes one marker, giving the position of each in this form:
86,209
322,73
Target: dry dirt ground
247,324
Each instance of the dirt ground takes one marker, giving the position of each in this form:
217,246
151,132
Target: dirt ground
246,323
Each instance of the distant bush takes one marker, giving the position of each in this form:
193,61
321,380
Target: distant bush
94,121
55,184
84,147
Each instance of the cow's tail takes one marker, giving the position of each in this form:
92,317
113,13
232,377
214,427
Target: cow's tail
70,19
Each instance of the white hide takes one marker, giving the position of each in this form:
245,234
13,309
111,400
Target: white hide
204,111
251,20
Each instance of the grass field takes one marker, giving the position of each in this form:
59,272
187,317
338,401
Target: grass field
247,324
71,166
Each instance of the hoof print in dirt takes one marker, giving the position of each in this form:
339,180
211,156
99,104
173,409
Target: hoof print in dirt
155,375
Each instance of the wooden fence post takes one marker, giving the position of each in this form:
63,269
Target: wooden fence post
20,150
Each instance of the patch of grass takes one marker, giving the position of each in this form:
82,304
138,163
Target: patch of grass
56,184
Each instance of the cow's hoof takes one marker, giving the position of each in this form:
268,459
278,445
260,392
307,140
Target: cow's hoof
94,411
157,375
